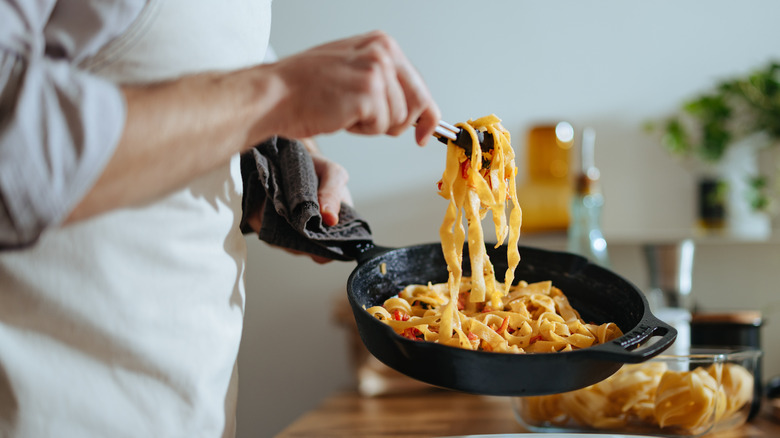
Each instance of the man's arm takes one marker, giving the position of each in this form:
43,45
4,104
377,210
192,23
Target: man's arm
175,131
58,128
178,130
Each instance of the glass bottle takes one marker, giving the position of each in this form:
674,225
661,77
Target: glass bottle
584,233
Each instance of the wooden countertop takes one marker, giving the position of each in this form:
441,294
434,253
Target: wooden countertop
441,414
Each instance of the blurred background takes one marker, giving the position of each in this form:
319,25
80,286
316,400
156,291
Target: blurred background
609,65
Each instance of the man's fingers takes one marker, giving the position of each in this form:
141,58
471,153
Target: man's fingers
332,190
316,258
397,104
426,124
405,93
364,84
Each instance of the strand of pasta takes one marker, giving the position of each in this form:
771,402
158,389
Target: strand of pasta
480,312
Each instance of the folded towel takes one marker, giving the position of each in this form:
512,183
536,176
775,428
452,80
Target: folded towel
279,174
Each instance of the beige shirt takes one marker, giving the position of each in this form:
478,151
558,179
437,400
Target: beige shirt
129,324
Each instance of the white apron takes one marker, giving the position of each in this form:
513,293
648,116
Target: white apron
128,324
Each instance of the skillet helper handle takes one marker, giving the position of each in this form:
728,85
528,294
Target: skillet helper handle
627,348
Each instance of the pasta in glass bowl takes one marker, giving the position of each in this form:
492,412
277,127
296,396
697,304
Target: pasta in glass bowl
673,396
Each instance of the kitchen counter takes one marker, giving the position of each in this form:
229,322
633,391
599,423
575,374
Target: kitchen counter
440,414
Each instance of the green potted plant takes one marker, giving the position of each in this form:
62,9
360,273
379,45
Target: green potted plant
719,129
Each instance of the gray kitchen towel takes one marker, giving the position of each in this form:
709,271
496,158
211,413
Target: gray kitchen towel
279,174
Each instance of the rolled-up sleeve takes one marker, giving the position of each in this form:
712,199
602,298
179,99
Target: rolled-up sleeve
59,126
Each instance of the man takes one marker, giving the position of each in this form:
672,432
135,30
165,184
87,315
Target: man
121,125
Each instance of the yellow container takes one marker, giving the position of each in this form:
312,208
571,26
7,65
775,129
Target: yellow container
546,192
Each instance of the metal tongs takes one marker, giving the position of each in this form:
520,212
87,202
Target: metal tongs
445,131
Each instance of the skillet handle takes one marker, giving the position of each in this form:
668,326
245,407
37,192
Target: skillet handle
362,251
624,349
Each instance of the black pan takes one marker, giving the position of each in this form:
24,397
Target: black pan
598,294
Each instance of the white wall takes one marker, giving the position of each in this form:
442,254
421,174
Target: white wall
607,64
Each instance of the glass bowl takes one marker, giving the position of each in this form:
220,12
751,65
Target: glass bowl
671,396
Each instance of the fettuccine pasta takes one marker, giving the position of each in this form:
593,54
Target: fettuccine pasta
649,395
480,312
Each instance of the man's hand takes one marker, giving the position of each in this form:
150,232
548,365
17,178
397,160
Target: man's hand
332,191
364,84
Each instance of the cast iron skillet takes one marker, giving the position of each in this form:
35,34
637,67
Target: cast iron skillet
598,294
